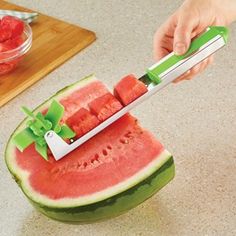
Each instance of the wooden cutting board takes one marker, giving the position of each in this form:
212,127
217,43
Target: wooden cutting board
54,42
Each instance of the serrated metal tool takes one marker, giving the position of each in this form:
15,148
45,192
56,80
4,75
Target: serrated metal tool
157,77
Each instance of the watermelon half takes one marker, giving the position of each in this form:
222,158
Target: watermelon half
116,170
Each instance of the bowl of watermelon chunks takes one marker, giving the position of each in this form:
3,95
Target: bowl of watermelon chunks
15,42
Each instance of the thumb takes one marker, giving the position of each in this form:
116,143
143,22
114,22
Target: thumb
183,32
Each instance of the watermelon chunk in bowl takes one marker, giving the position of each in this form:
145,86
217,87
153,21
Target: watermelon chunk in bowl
15,42
13,26
113,172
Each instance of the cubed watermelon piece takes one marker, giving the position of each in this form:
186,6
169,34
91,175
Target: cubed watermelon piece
105,106
5,33
14,24
10,44
5,47
6,67
128,89
82,121
14,42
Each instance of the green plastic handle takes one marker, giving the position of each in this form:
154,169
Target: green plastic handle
211,33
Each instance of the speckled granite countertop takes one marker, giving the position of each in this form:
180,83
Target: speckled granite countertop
196,120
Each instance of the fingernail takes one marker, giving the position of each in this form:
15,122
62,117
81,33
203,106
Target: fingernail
180,48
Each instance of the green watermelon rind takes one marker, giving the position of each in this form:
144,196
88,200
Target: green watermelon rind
116,205
61,210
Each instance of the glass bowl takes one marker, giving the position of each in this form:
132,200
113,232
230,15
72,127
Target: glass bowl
10,59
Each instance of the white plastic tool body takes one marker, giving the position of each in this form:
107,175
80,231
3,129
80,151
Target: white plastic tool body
60,148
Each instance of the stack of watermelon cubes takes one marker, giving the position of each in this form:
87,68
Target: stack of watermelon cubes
11,37
126,91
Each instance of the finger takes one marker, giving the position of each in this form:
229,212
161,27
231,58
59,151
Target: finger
197,69
181,77
162,45
211,60
183,32
160,52
201,66
191,73
163,38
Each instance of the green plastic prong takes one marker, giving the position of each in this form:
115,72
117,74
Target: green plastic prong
47,125
66,132
55,113
42,150
28,112
39,120
41,141
210,34
23,139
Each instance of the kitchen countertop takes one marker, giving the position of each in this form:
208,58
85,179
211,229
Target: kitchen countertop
195,120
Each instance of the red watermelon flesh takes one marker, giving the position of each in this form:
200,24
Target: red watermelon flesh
82,97
128,89
9,45
11,30
5,34
7,67
15,25
82,121
105,106
14,42
109,158
5,47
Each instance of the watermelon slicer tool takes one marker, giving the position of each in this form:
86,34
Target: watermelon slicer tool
157,77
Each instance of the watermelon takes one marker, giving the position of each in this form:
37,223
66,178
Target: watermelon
5,34
6,67
15,25
128,89
5,46
82,121
11,37
14,42
105,106
113,172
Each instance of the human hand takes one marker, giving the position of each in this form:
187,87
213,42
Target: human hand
191,19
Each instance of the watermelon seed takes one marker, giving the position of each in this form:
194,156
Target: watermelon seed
96,162
96,156
55,170
63,170
95,159
128,134
104,151
85,164
72,167
124,141
109,147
